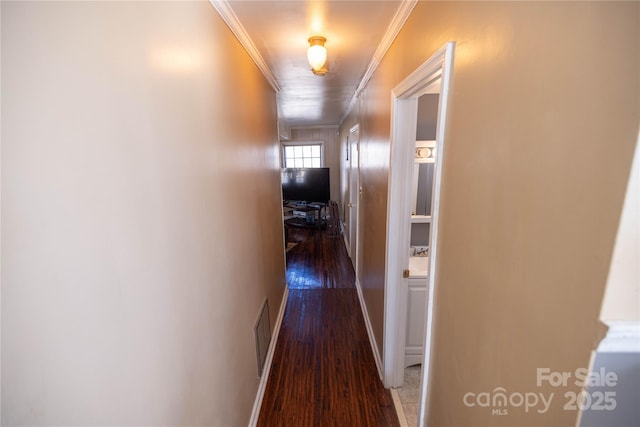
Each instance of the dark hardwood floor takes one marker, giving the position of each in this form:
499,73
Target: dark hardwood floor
323,371
318,261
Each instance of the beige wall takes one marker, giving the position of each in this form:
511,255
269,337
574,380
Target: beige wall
374,164
328,135
543,124
138,143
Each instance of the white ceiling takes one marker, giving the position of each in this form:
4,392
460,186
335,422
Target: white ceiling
279,30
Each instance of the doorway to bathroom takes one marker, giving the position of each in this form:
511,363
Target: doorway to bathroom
418,139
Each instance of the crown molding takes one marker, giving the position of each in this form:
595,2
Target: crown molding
401,16
229,17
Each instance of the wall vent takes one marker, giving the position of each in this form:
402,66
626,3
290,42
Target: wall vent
262,332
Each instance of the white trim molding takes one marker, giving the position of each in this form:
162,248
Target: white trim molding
433,76
257,404
367,321
428,78
231,19
622,337
401,16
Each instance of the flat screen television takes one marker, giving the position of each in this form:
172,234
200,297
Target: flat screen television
306,184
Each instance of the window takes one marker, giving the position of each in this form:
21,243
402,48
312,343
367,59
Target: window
303,156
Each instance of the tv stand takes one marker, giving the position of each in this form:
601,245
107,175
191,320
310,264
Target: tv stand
303,214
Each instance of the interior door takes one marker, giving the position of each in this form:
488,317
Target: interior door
354,185
347,197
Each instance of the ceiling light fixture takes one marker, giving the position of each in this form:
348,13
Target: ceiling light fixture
317,55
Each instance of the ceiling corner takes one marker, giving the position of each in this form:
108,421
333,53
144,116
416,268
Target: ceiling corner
229,17
401,16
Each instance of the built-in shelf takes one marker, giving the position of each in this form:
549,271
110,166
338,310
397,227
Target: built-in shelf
420,219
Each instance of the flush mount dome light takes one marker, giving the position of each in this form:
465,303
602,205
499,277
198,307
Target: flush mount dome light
317,55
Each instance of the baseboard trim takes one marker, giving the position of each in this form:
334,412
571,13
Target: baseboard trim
346,245
367,321
255,413
397,403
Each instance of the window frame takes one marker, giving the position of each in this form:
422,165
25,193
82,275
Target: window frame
286,144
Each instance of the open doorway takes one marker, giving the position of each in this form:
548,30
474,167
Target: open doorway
406,293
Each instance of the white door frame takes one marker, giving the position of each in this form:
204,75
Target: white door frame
433,76
353,202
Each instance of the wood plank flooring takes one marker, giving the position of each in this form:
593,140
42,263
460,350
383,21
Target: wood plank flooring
318,261
323,371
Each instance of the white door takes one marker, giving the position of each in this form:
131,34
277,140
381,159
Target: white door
354,185
348,206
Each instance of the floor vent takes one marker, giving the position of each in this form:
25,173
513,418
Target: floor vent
262,332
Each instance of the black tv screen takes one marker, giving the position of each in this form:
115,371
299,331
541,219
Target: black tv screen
306,184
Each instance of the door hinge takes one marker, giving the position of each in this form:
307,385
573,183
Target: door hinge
405,274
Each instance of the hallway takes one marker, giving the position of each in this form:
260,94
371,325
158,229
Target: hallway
323,371
142,146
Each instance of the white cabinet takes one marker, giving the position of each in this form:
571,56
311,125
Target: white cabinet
416,310
416,319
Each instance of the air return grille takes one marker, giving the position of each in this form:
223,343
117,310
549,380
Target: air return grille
262,332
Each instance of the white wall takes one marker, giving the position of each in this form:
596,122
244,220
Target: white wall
141,222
